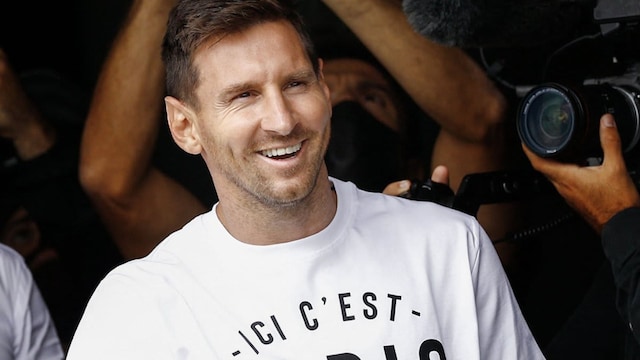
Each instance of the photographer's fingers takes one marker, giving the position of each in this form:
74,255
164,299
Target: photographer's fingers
620,183
397,188
440,175
595,192
610,140
552,169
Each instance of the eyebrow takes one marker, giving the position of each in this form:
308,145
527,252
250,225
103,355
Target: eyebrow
302,74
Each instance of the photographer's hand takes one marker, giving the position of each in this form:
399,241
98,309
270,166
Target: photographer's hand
597,193
440,175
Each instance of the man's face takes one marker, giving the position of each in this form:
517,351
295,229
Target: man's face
356,80
264,120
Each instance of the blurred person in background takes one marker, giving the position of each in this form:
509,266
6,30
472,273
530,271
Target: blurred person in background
26,328
44,213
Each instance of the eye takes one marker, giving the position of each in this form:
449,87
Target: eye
380,104
296,85
243,95
377,97
300,81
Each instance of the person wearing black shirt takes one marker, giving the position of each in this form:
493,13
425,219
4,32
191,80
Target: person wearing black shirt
607,197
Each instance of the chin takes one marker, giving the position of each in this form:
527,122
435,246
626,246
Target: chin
292,191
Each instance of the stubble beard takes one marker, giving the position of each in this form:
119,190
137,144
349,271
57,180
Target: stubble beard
264,189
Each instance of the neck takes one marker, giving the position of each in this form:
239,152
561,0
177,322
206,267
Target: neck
261,224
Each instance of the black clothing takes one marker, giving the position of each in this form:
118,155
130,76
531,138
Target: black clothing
363,150
601,322
621,244
565,286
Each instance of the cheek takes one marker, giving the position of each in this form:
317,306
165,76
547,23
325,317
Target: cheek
230,136
324,110
323,116
208,140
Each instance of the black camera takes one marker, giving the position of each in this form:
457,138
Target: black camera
428,190
560,117
562,121
482,188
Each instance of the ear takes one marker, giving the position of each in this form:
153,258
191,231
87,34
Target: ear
182,125
325,88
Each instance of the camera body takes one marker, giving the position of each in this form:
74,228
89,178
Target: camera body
428,190
478,189
562,121
559,118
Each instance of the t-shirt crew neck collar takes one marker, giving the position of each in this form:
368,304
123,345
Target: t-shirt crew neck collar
302,248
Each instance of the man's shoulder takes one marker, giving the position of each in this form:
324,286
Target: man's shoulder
378,208
11,263
169,253
393,203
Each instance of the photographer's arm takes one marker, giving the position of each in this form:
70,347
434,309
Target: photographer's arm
139,204
444,81
20,120
448,85
607,198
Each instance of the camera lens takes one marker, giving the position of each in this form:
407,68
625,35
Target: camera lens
556,118
550,120
558,121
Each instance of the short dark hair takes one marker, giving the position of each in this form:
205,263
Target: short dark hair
193,22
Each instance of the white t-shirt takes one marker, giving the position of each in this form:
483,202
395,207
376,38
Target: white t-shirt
26,329
389,278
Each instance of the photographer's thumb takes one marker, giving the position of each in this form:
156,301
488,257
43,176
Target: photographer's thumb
610,139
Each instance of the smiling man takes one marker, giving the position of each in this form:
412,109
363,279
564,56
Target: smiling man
291,263
262,128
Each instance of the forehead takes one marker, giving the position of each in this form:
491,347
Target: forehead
264,48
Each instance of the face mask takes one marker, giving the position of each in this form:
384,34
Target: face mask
362,149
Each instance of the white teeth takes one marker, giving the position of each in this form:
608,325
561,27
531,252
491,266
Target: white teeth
281,151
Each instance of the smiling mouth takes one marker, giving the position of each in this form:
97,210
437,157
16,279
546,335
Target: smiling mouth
282,153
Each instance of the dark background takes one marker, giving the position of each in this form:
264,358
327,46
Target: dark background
70,37
73,37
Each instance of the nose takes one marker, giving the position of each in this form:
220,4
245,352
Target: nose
278,115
